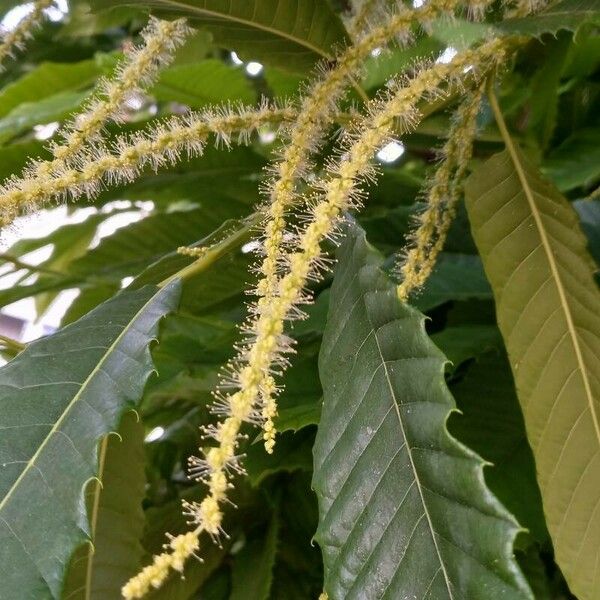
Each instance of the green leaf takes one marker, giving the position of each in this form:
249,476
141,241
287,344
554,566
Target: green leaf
455,277
460,343
492,424
252,571
403,508
380,69
202,83
132,248
46,80
100,568
68,243
576,162
534,254
15,157
292,454
567,14
59,397
545,89
53,108
289,34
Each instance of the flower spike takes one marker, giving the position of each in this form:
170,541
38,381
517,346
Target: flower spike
15,39
442,198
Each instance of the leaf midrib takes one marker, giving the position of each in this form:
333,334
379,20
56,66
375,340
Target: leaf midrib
529,195
410,458
253,24
89,569
89,378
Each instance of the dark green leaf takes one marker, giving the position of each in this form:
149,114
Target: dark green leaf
292,453
60,396
492,424
576,162
455,277
285,33
252,571
400,500
460,343
589,215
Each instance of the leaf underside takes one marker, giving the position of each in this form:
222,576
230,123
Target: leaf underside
99,569
547,305
286,33
403,507
60,396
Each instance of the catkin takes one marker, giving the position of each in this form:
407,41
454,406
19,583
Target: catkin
129,155
442,198
315,112
133,74
263,355
15,39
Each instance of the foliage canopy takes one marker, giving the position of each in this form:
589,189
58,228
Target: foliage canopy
338,222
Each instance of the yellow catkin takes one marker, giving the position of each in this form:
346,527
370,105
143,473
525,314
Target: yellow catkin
15,39
138,69
366,12
442,198
316,109
317,106
130,154
267,342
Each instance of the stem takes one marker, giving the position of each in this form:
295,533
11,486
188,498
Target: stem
11,344
23,265
497,112
94,517
213,253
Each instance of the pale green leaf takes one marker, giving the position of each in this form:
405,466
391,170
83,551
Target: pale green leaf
403,507
548,304
99,569
53,108
46,80
132,248
58,399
